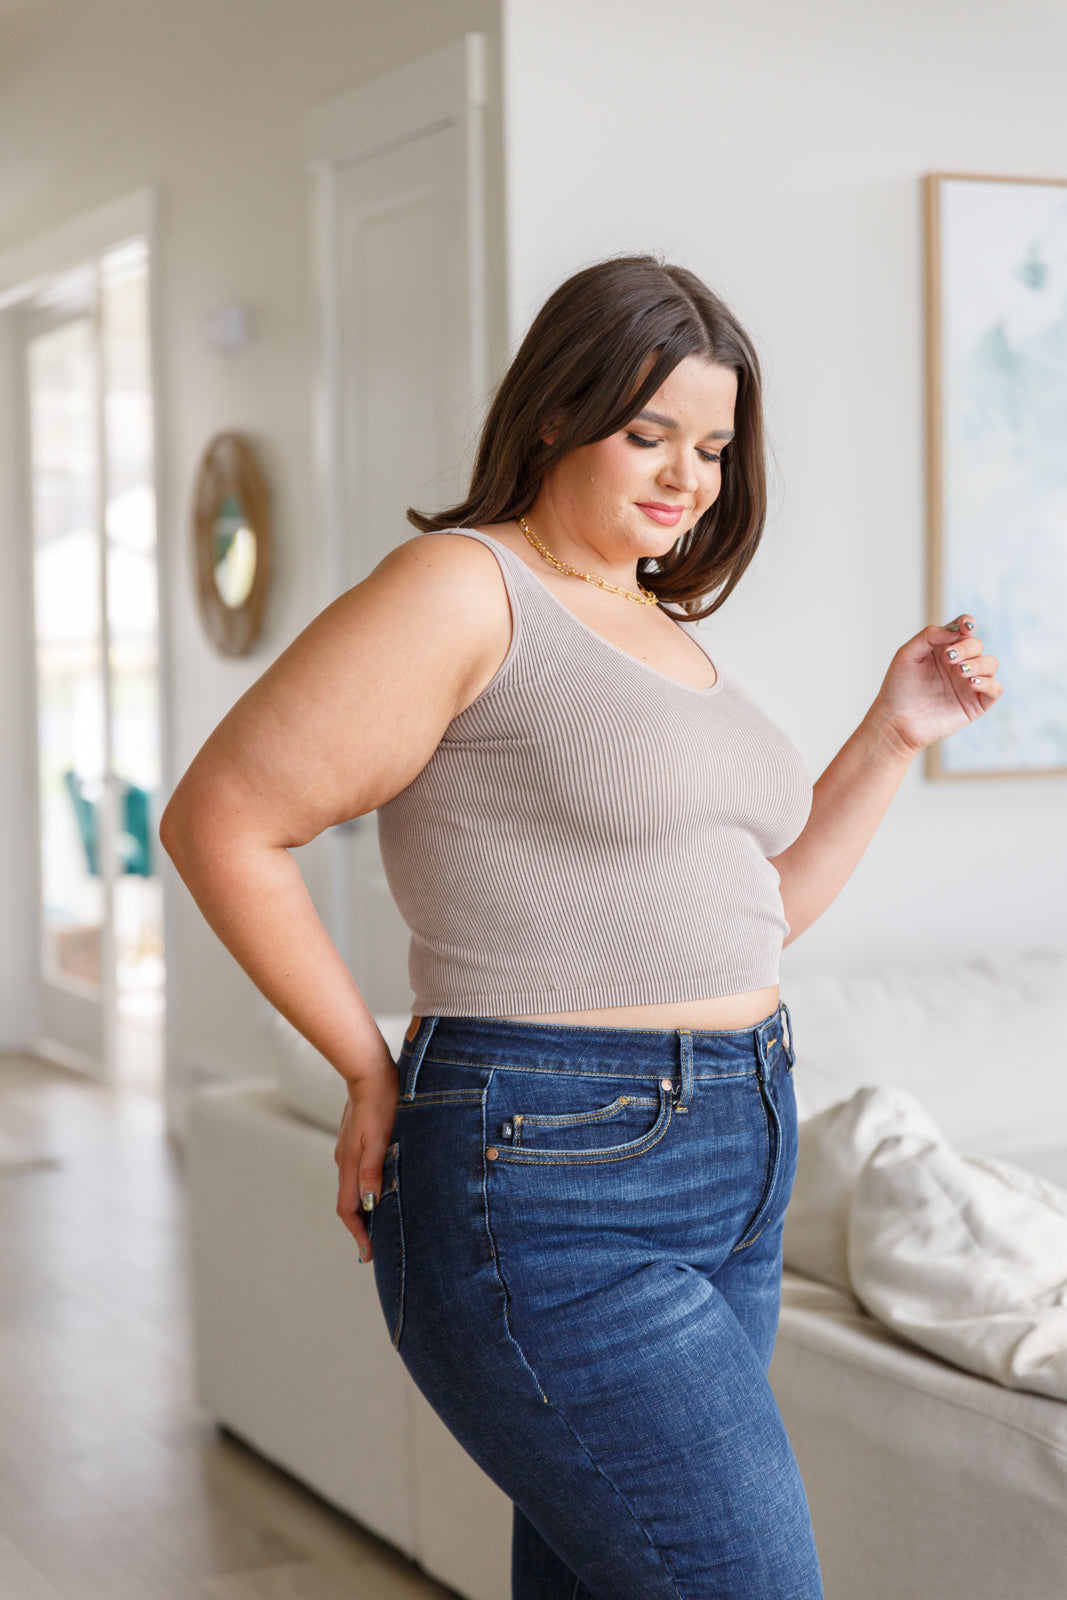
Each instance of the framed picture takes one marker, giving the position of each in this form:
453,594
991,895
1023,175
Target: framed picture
996,266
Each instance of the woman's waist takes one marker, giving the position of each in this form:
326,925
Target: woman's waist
720,1013
624,1048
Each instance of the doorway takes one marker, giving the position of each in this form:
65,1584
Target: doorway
400,241
87,463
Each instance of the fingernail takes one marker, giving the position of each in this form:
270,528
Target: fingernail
369,1201
965,667
953,654
969,626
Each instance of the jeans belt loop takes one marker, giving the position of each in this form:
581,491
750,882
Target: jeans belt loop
785,1022
422,1039
682,1100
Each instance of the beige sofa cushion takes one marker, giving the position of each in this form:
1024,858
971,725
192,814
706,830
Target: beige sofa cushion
980,1044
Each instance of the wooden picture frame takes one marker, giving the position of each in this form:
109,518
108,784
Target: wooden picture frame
233,538
996,371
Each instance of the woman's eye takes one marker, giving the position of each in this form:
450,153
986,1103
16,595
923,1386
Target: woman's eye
650,444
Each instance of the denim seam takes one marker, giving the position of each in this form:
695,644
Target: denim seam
393,1153
576,1119
572,1430
441,1097
768,1173
571,1072
577,1158
492,1244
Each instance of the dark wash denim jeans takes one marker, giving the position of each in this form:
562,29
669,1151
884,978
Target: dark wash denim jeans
578,1254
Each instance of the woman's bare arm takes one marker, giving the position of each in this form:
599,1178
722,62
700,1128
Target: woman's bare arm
849,801
936,684
340,723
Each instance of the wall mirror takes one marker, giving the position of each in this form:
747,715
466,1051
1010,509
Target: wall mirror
232,533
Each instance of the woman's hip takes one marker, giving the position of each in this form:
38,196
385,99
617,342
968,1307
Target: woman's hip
552,1163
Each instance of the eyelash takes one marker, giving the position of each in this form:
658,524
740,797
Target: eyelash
650,444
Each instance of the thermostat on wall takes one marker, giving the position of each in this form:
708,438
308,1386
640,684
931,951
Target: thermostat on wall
227,328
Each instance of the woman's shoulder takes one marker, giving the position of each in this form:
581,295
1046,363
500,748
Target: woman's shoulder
459,548
463,583
457,566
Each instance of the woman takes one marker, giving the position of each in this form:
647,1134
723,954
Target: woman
576,1174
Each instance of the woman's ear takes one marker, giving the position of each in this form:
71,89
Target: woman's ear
551,430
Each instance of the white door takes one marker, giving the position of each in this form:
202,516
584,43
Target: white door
88,469
404,320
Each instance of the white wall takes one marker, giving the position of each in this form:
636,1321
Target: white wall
207,102
776,149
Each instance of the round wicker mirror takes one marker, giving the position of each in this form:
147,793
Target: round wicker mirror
231,524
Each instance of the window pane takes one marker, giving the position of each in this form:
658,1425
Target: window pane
70,685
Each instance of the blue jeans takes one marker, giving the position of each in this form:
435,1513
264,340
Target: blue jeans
578,1255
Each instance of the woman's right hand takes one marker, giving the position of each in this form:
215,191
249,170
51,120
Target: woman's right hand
366,1129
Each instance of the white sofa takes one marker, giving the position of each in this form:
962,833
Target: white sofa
925,1482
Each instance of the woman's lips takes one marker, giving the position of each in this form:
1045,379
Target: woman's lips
666,516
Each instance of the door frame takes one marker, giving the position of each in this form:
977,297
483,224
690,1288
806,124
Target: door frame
25,268
444,88
438,90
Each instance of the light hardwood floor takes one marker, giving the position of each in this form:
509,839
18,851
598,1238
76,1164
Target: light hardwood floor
114,1485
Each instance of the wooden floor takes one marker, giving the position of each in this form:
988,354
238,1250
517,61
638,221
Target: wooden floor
113,1484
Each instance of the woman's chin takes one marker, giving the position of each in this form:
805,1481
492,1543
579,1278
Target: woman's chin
660,543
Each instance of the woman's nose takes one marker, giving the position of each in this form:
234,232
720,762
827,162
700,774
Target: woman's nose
679,472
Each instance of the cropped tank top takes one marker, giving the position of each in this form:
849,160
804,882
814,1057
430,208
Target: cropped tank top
590,832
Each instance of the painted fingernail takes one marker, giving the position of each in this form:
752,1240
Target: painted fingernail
976,681
969,626
369,1201
965,667
953,654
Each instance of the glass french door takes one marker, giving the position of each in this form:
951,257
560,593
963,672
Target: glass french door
96,666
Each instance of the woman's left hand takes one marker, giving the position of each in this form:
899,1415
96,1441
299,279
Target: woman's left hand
937,683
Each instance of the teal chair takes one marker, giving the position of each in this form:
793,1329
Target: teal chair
134,840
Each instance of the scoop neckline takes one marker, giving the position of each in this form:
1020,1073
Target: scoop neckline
688,688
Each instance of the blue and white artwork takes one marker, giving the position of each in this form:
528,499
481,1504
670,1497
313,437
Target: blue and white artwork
1002,350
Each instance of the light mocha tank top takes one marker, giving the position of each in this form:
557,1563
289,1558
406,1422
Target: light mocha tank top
589,832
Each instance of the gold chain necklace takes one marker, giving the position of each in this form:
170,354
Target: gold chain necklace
645,598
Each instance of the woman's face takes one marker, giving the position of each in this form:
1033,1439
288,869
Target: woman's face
635,493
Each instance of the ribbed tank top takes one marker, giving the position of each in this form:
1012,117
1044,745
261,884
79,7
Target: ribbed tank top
589,832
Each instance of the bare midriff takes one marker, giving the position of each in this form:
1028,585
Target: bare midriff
720,1015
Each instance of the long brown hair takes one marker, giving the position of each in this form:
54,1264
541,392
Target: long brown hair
579,369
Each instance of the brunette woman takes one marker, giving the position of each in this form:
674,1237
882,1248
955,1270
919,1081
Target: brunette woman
575,1176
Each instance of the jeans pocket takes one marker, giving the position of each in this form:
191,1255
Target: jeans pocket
575,1123
386,1231
756,1223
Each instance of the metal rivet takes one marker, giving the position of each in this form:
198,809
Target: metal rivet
491,1154
666,1083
